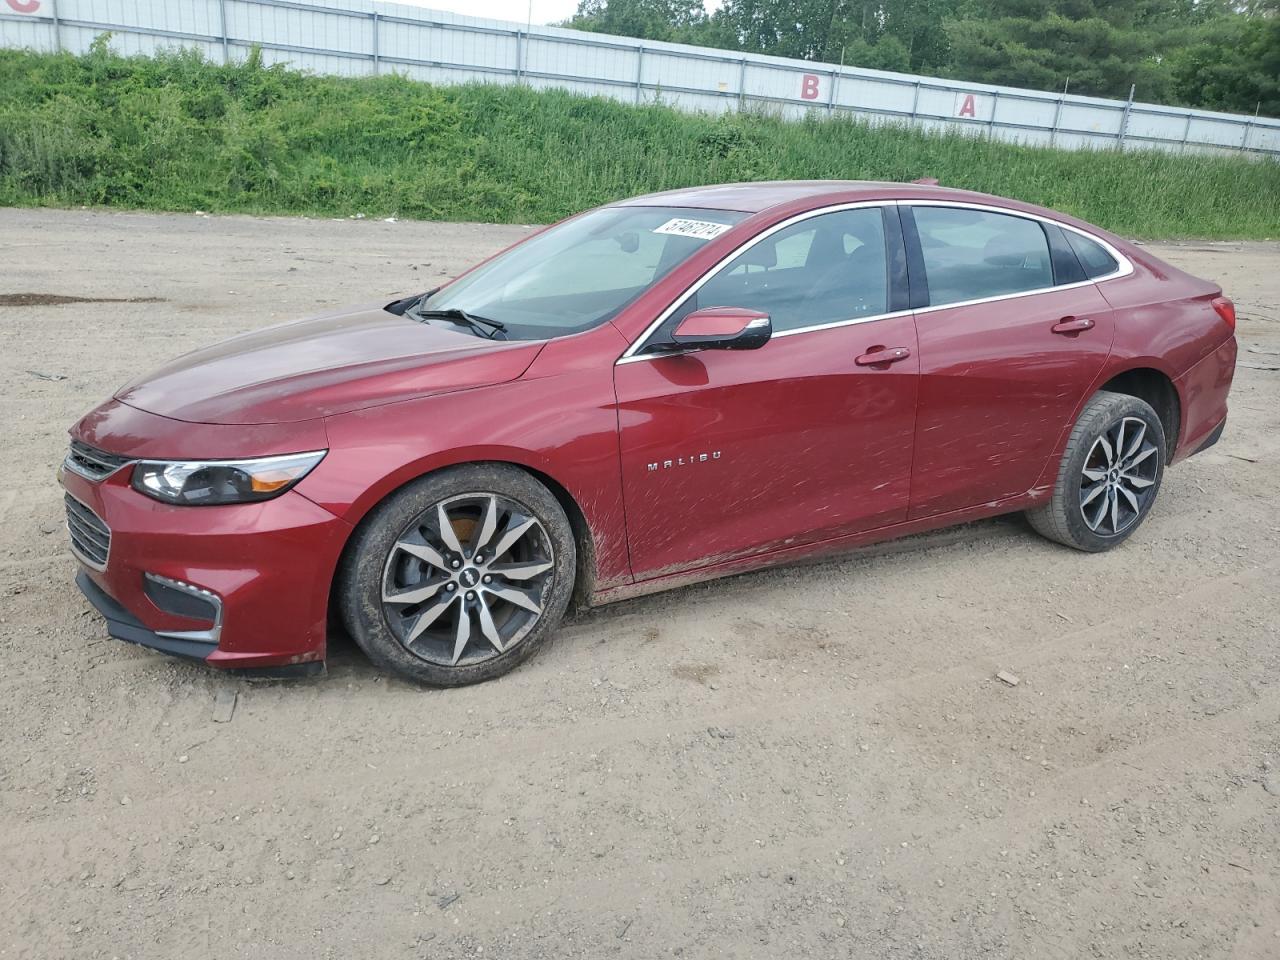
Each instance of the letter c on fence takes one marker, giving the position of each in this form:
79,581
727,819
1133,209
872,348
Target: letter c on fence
24,6
808,88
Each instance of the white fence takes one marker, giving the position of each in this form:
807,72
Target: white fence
355,37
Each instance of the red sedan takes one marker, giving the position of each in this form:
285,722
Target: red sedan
668,389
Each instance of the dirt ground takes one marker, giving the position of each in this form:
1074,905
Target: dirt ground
808,762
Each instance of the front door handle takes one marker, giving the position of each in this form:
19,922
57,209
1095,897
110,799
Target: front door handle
1072,325
882,355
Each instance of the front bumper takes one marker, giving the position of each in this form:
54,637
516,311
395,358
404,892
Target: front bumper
123,625
269,565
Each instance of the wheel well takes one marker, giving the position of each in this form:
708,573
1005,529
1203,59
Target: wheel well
1156,389
584,579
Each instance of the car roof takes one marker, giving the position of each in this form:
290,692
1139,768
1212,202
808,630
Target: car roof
760,196
795,196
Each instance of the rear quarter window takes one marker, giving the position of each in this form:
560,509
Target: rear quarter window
1092,255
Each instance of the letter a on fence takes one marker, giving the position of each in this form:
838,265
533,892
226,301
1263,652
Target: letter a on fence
809,87
967,107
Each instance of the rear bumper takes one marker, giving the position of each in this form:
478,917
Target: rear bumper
1203,391
1211,439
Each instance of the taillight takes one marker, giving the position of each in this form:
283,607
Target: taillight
1226,310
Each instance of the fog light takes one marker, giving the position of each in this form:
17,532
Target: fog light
182,599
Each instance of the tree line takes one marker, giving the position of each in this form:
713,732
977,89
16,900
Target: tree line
1212,54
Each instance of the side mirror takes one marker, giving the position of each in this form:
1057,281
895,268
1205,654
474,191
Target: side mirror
723,328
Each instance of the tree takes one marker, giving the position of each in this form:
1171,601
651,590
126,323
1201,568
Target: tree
678,21
1223,54
821,29
1235,67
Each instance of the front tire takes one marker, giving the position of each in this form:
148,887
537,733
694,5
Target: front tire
1109,475
460,576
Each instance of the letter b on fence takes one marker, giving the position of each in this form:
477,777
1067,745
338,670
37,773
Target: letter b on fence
809,87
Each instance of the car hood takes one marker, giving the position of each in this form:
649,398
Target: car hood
332,364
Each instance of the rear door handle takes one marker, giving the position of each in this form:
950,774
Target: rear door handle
885,355
1072,325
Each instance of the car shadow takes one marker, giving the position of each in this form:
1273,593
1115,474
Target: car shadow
346,661
1011,524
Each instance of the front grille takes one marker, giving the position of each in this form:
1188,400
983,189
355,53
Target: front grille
92,463
90,537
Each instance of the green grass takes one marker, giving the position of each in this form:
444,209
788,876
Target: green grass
177,133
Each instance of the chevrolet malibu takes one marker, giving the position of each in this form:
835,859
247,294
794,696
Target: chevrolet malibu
658,391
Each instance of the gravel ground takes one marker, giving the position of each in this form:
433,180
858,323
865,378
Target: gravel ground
808,762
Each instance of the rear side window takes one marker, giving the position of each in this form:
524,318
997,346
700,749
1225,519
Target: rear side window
1092,255
972,254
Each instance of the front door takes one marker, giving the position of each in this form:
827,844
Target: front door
727,454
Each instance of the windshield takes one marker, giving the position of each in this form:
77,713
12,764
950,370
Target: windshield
581,273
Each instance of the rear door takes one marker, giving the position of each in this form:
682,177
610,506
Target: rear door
731,453
1012,334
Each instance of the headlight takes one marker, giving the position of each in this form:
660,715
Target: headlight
206,482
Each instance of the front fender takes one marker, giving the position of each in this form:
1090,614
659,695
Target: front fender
563,426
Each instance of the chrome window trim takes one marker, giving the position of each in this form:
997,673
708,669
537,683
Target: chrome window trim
1005,296
633,355
840,323
91,564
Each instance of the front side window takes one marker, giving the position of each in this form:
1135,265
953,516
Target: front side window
972,254
583,272
821,270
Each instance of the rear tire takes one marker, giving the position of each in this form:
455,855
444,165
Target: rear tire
1109,476
459,576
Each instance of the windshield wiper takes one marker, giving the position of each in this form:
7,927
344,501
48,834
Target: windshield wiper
481,325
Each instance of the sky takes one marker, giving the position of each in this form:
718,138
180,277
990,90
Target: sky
544,11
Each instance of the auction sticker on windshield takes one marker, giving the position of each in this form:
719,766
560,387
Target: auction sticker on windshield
698,229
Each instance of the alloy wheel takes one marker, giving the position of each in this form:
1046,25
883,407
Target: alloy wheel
467,580
1119,476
